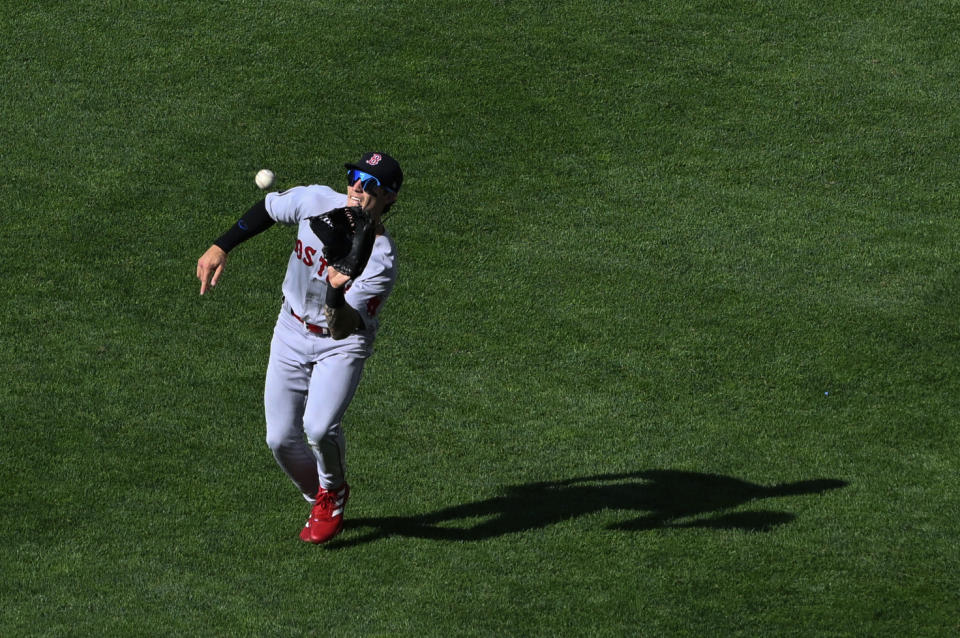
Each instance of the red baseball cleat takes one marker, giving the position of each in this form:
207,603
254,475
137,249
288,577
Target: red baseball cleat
326,517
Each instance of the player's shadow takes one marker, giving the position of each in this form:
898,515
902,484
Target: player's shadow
666,499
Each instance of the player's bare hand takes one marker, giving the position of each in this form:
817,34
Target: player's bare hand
210,267
337,278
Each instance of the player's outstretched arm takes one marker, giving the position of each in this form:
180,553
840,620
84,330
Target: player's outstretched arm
211,263
210,267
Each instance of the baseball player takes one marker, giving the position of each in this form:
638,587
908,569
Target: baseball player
340,272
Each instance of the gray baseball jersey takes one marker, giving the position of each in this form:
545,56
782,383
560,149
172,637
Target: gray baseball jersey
304,286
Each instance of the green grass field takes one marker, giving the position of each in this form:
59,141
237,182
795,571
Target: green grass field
674,349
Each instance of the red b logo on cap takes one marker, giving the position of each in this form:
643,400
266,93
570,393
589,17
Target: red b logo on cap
374,159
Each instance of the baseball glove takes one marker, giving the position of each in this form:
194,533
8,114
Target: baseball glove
347,235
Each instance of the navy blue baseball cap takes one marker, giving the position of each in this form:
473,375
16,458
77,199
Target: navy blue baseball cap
383,167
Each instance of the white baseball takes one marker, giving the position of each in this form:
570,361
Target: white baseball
264,178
